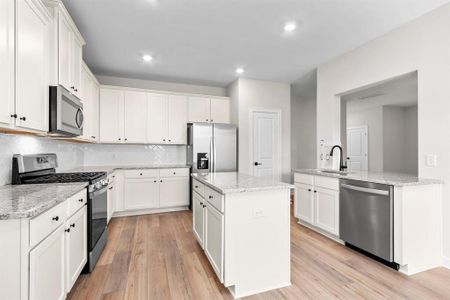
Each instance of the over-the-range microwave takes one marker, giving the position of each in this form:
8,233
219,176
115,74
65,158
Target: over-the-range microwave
66,113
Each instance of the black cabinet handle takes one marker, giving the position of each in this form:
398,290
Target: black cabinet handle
160,181
14,116
119,139
67,230
72,225
170,140
309,190
92,137
110,188
212,120
126,139
23,118
315,191
204,206
210,197
72,87
207,120
76,90
80,200
154,181
55,218
174,173
257,163
196,186
140,174
201,203
164,140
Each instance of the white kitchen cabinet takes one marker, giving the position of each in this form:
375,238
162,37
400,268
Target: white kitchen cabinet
75,65
75,246
198,210
157,130
112,195
135,117
47,268
214,237
111,115
327,210
141,193
205,109
199,109
7,63
90,96
177,119
173,191
32,65
304,204
220,110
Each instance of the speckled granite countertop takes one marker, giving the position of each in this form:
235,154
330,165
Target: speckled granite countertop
30,200
232,182
110,169
394,179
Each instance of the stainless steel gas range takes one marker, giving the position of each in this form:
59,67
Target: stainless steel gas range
41,168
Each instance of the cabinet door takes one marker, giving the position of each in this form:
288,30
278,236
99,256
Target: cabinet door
327,210
76,59
94,123
64,53
135,106
157,118
6,62
214,233
199,109
86,97
220,111
76,246
111,200
177,119
199,217
141,193
304,203
111,115
32,66
47,267
174,191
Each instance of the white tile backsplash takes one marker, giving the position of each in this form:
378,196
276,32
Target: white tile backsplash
72,155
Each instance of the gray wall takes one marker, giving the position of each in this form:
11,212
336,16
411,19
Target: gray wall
303,132
162,85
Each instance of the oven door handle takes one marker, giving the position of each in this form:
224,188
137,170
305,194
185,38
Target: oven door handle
365,190
99,192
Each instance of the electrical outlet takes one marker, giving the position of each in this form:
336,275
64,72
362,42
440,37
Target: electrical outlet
431,160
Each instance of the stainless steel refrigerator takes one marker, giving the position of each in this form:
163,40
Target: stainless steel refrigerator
212,147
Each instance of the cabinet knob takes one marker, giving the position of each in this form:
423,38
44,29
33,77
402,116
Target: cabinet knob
154,181
72,87
196,186
170,140
92,137
212,120
76,90
201,203
309,190
164,140
160,181
80,200
140,174
72,225
204,206
210,197
126,139
315,191
55,218
110,188
67,230
23,118
174,173
119,139
14,116
207,120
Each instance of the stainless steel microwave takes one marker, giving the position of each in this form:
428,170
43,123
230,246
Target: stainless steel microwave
66,113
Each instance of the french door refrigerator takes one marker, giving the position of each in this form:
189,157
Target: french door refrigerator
212,147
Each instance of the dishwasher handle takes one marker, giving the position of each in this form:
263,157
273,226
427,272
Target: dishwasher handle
364,189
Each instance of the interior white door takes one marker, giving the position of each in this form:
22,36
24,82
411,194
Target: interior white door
177,119
32,67
111,115
135,106
157,115
266,144
220,111
199,109
7,62
357,145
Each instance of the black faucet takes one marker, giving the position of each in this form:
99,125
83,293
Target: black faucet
342,166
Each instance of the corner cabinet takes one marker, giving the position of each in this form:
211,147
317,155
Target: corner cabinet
317,202
210,110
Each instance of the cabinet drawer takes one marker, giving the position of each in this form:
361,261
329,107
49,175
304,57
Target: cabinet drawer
46,223
326,182
76,202
174,172
214,198
198,187
141,173
303,178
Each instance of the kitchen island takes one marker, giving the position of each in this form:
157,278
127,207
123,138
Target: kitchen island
243,224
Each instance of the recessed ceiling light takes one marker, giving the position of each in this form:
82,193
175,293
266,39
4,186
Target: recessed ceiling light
239,70
290,26
147,58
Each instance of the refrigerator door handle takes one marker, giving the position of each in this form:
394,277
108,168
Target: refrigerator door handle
214,153
211,156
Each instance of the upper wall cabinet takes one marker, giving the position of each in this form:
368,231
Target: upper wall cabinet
212,110
32,65
90,96
67,51
111,115
7,63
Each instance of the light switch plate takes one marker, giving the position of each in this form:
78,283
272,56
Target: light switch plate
431,160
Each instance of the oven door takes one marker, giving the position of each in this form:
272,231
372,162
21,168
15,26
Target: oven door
97,215
66,113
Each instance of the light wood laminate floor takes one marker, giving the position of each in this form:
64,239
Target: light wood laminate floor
157,257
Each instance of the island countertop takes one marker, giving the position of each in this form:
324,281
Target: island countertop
234,182
30,200
395,179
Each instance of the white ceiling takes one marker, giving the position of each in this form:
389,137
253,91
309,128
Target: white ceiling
203,41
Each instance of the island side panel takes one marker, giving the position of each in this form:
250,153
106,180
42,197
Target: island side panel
257,241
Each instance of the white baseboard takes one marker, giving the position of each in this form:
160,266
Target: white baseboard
446,262
147,211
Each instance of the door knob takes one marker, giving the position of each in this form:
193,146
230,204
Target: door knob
257,163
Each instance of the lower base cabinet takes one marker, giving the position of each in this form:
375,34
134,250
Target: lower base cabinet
199,218
141,193
174,191
47,268
214,235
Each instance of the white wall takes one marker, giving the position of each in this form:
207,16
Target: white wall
162,85
411,140
247,94
373,119
422,45
303,132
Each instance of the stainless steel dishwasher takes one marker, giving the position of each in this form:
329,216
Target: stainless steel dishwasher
366,218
